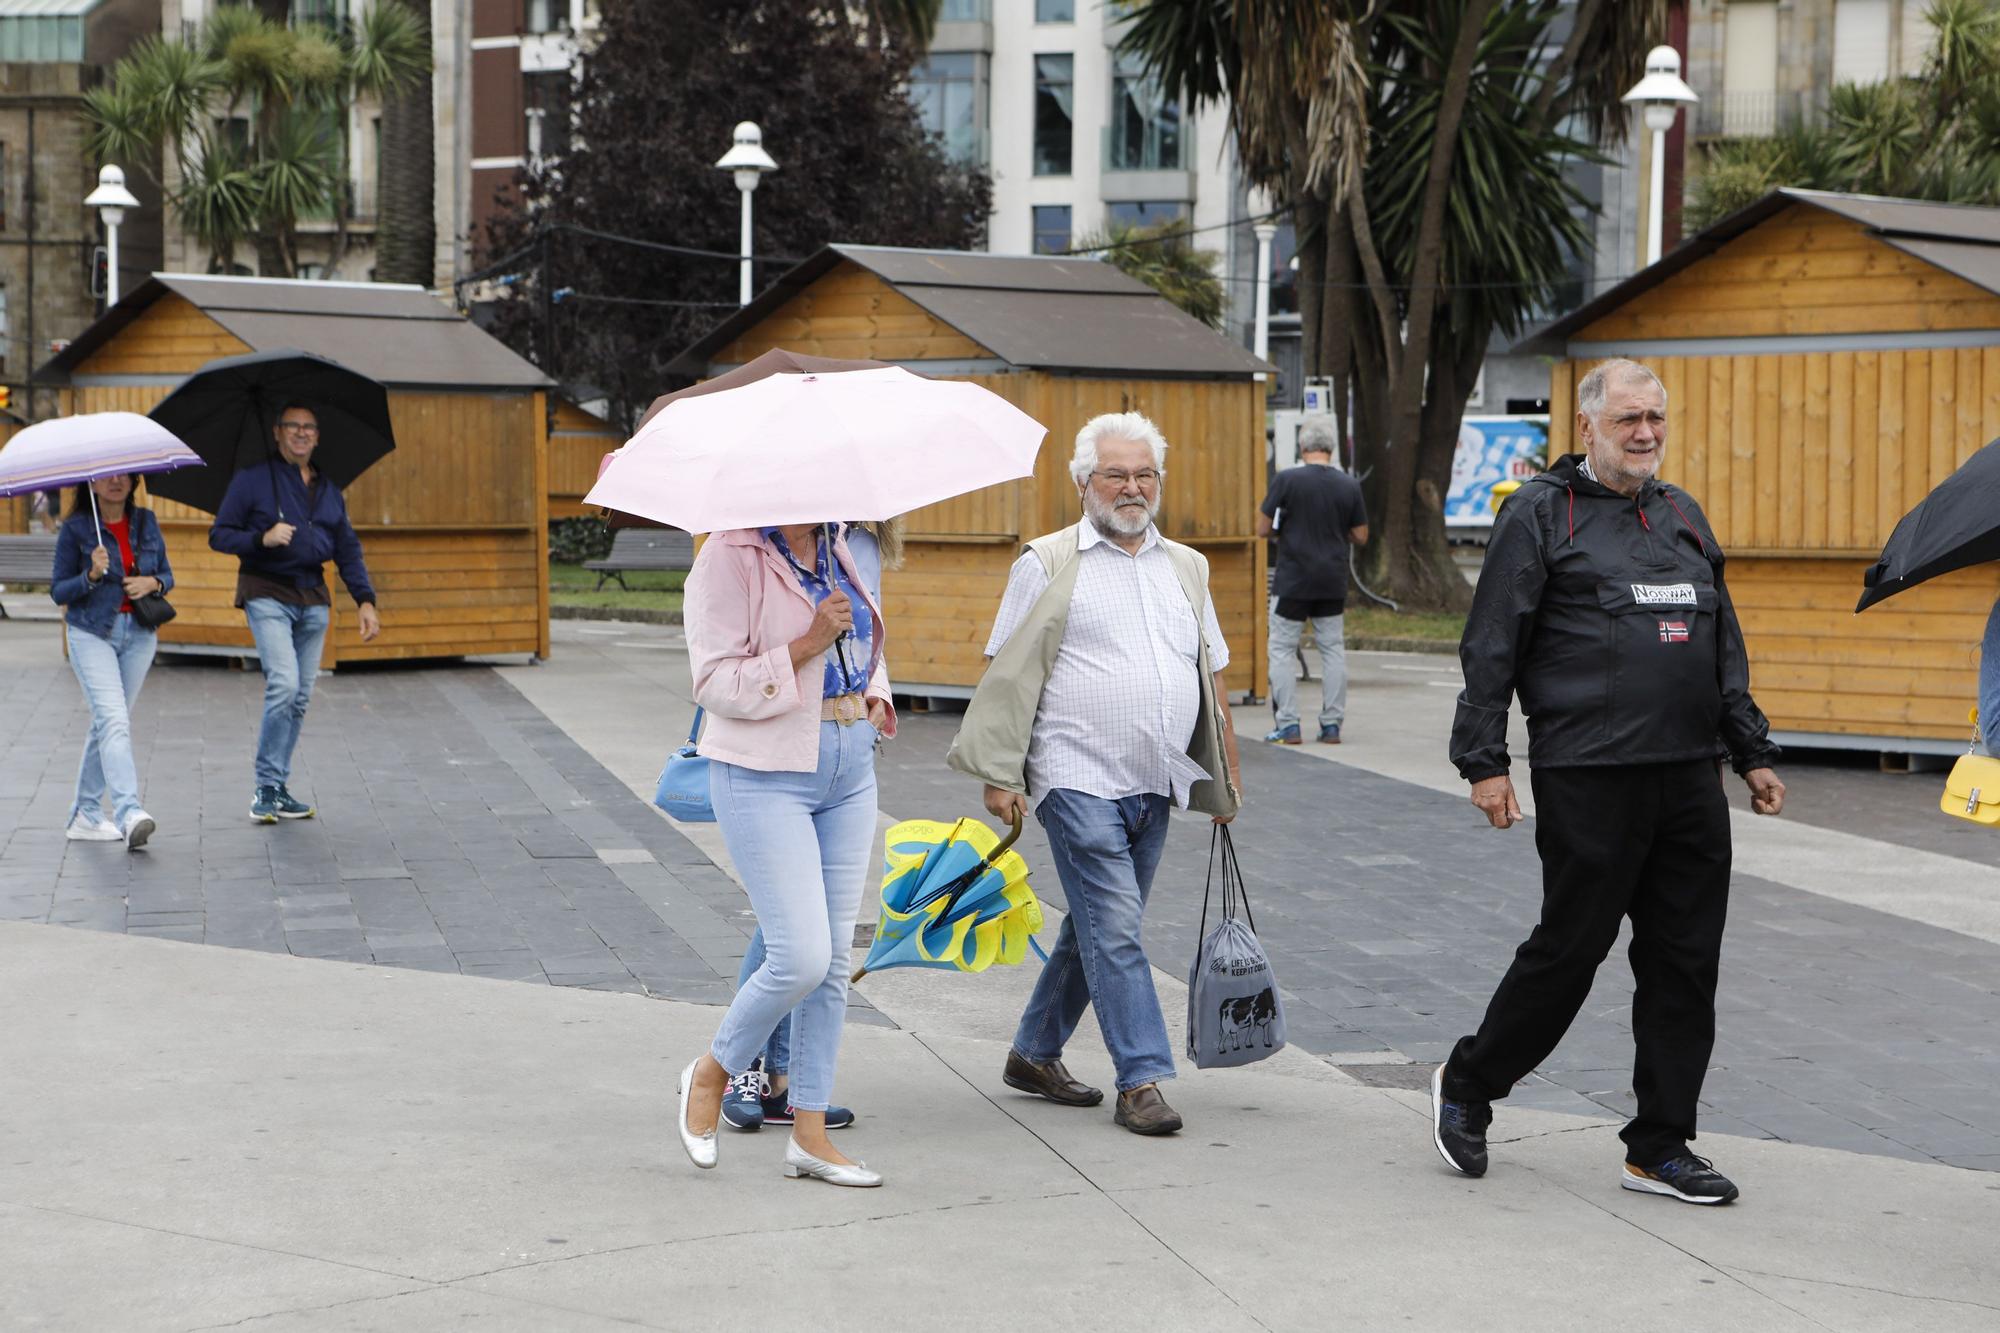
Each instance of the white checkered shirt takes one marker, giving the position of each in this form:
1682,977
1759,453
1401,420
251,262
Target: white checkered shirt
1123,697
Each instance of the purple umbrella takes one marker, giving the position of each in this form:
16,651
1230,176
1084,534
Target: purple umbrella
71,450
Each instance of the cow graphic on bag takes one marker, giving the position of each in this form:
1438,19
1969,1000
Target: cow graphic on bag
1243,1019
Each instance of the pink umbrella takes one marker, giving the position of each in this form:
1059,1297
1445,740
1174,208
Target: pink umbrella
69,450
861,444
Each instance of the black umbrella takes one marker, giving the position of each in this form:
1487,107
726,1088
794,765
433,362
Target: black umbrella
1956,525
225,412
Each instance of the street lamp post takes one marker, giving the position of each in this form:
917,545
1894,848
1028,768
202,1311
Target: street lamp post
110,199
1660,95
1266,231
747,161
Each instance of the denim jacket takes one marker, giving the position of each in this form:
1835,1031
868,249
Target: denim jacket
94,607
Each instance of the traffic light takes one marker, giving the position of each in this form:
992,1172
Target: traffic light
6,397
100,271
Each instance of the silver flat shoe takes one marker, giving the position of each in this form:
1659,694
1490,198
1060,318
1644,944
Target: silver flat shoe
700,1147
800,1164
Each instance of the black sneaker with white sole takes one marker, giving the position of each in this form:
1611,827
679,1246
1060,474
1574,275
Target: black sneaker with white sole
1459,1129
1688,1178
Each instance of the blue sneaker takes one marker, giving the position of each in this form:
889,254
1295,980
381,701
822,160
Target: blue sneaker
743,1103
1329,735
290,806
1286,736
778,1111
264,805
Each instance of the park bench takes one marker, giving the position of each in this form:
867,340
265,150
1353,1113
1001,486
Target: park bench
637,550
26,559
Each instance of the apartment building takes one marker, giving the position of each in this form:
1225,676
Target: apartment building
1077,137
1762,65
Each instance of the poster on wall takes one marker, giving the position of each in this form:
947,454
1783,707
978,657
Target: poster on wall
1491,450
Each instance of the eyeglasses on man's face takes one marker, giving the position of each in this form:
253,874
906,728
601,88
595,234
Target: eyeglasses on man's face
299,427
1116,478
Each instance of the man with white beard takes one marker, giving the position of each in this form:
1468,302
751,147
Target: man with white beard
1103,707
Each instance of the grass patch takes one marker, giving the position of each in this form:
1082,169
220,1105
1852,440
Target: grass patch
649,590
1377,622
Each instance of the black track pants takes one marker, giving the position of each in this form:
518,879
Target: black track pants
1649,841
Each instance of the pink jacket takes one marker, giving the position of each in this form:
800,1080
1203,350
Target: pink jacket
743,607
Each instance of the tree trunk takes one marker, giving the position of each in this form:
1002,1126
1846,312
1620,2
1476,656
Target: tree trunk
406,226
1309,230
1400,521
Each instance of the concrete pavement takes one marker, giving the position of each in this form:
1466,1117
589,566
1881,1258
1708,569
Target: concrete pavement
196,1137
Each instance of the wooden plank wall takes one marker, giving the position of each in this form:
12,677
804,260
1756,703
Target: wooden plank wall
578,444
960,551
852,313
453,526
169,338
1816,451
1805,271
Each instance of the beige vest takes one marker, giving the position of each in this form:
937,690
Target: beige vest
992,742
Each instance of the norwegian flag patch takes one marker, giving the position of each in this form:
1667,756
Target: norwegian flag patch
1673,631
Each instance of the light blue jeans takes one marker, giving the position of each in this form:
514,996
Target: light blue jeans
288,645
801,842
111,671
1330,632
778,1050
1105,853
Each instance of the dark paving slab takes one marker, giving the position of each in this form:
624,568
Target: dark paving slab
1390,915
460,830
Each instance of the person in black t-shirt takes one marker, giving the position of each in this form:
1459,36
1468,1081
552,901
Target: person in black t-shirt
1316,512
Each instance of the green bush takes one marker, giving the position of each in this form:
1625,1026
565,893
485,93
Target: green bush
574,540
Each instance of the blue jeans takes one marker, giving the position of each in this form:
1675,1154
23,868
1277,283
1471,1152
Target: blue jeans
288,643
777,1051
801,842
111,671
1105,854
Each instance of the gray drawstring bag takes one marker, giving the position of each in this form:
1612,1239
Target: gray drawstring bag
1234,1014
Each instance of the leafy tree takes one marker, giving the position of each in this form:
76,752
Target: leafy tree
1936,136
406,230
1164,258
590,295
254,116
1420,147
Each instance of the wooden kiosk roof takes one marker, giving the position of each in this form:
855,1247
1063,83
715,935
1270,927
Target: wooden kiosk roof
1024,312
397,334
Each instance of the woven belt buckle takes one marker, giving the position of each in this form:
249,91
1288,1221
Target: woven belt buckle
848,709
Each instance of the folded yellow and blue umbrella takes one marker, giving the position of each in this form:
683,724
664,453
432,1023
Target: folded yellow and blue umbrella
953,895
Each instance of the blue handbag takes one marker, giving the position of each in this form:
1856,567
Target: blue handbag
683,790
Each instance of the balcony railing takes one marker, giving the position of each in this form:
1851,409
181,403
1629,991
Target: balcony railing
1753,115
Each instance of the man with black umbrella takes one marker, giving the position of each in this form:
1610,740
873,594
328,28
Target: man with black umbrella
283,521
1601,604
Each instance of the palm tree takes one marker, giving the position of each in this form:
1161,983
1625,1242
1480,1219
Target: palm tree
387,49
1419,146
406,228
1162,257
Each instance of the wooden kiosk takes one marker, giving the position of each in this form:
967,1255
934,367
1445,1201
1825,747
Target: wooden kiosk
1063,340
454,523
1828,359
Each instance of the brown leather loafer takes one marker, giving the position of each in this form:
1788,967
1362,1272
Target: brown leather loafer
1144,1111
1050,1080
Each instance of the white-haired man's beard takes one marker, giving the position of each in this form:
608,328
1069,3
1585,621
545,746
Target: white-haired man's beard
1127,516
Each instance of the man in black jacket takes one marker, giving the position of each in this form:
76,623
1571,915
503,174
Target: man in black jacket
1602,605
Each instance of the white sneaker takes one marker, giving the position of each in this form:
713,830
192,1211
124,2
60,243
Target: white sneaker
139,826
87,827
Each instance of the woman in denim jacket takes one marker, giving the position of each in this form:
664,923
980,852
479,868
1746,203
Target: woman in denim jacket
104,560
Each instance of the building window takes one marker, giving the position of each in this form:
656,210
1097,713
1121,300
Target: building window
1145,126
1750,68
1142,214
317,14
547,96
310,272
1055,89
964,11
949,93
1285,270
1055,11
1052,232
1861,41
541,16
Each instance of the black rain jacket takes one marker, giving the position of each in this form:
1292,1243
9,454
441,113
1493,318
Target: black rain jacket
1608,616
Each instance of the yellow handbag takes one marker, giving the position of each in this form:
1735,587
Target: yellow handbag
1972,791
